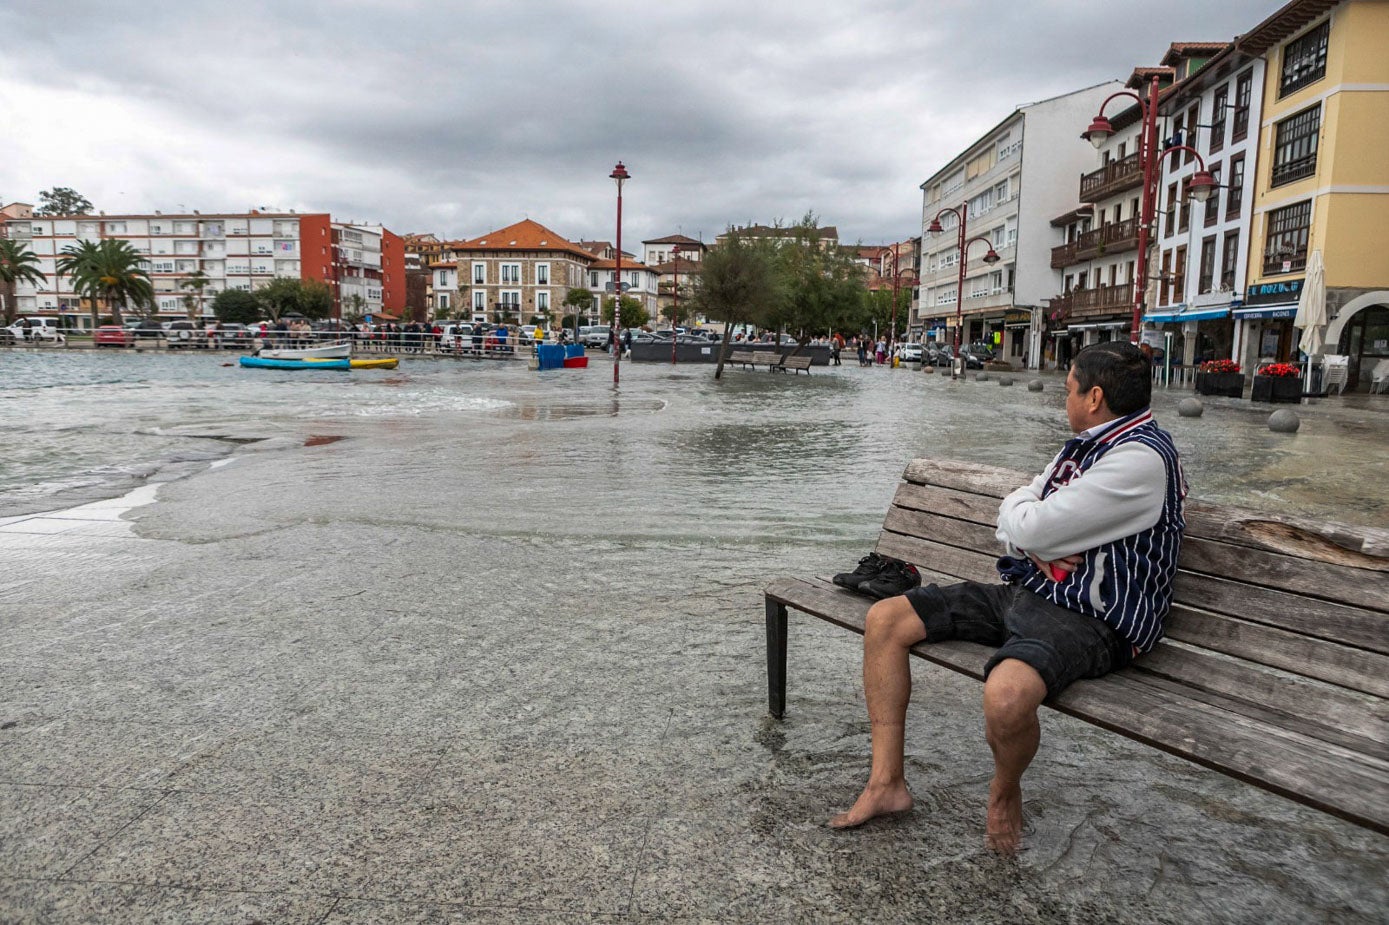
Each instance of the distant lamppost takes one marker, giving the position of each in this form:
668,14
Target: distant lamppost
897,277
1201,186
675,300
962,254
619,176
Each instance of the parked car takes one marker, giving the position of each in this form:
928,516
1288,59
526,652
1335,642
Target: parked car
910,352
230,335
594,335
148,329
36,330
113,335
186,334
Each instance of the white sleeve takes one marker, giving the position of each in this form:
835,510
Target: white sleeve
1120,495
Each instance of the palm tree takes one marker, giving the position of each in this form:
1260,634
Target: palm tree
110,271
18,264
194,282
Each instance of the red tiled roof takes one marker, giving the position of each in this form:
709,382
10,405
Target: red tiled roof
1283,24
612,265
525,235
674,239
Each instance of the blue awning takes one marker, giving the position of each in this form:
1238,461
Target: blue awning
1206,314
1284,310
1163,317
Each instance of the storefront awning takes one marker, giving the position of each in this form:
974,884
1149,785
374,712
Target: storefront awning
1209,313
1281,310
1163,317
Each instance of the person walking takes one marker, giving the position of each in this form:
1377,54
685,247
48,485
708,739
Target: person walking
1091,554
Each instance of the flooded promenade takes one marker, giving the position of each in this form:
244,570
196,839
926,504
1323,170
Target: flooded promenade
467,643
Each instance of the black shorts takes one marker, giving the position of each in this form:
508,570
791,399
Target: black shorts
1062,645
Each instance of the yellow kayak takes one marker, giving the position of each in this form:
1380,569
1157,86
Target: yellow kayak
383,363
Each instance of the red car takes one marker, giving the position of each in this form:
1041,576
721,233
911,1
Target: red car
113,335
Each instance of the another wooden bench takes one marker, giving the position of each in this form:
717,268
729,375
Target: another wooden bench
748,358
1275,667
793,362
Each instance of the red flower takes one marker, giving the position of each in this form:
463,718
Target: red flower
1219,366
1281,371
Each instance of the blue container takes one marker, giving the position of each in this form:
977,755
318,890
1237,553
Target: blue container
550,356
573,350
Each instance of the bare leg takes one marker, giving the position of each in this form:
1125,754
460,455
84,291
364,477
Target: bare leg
1012,695
891,629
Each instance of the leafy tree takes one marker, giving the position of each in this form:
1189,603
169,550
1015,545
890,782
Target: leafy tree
822,287
18,264
283,296
735,282
110,270
193,285
634,314
355,308
581,300
236,306
61,200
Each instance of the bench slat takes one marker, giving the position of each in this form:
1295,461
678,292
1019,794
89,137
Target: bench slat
1152,710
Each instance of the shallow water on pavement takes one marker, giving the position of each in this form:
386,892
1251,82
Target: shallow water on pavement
670,451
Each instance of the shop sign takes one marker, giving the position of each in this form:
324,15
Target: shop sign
1017,318
1273,293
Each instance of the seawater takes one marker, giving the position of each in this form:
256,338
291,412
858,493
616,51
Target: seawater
754,453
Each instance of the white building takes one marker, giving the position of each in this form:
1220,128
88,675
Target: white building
1007,185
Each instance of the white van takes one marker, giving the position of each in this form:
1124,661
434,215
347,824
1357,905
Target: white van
36,330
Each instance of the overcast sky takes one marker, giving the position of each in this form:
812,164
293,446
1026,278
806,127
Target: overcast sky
462,117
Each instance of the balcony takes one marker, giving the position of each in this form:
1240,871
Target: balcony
1059,307
1102,300
1116,237
1064,256
1112,178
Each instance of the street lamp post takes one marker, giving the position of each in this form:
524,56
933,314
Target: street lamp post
619,176
963,243
675,303
897,277
1201,187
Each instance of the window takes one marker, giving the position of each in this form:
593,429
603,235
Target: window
1244,85
1304,60
1184,217
1229,261
479,301
593,279
542,301
1179,275
1212,205
542,274
1207,279
511,298
1285,249
1171,223
1234,197
1295,146
1193,119
443,298
479,274
511,273
1165,279
1218,109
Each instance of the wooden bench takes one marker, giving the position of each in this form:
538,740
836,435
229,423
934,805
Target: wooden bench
793,362
1275,667
748,358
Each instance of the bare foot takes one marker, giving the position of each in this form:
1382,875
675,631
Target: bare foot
876,800
1003,831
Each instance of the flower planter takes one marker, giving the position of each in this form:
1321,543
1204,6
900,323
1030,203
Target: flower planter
1230,385
1277,389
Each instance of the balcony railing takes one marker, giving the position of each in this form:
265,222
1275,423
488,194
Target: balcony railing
1102,300
1114,177
1059,307
1064,256
1115,237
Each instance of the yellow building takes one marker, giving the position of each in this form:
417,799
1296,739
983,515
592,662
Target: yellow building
1322,181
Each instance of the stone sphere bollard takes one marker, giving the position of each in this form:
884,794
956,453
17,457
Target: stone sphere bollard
1284,421
928,370
982,377
1036,385
1190,408
1005,380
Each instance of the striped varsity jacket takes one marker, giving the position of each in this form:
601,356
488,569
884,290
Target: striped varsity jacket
1113,495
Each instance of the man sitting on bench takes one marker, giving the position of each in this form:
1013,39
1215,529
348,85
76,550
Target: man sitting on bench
1092,552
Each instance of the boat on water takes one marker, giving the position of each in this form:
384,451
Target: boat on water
319,363
323,352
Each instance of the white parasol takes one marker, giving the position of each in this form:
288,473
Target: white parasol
1311,308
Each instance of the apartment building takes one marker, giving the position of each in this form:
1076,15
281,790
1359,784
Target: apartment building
1200,263
1005,187
363,265
1321,182
641,282
675,259
519,273
17,212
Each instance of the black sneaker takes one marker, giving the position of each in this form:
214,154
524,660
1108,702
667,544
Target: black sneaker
897,578
869,567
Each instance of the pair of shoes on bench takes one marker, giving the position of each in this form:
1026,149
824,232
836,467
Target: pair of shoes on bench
880,577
